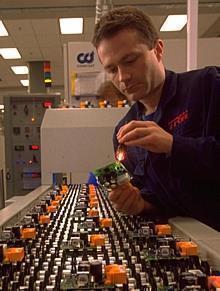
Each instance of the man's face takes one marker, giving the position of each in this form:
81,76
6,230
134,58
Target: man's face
135,69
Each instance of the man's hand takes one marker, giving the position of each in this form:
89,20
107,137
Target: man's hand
146,134
127,199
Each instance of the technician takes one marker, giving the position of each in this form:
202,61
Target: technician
172,131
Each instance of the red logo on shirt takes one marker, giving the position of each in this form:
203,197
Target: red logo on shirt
179,119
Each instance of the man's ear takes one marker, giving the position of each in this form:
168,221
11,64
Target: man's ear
158,49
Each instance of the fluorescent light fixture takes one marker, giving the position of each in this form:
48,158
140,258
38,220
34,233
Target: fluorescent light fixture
10,53
71,25
3,30
174,22
25,82
1,106
18,70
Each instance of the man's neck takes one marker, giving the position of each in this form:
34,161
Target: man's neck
151,102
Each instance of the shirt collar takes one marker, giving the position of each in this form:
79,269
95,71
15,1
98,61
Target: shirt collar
168,92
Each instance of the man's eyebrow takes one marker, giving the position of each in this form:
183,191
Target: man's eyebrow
128,55
110,66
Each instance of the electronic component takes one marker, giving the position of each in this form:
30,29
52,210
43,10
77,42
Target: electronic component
82,246
112,175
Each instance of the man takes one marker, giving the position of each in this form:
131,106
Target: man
172,132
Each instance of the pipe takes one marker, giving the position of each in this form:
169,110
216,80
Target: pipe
102,6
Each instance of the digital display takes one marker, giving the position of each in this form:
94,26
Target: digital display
19,148
34,147
47,104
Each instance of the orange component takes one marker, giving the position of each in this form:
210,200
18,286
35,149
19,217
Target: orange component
58,197
82,104
44,219
187,248
63,192
51,208
55,202
65,187
162,229
14,254
28,233
120,103
106,222
93,203
213,282
92,189
97,239
93,212
115,274
92,196
101,104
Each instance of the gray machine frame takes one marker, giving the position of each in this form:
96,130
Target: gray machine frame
13,177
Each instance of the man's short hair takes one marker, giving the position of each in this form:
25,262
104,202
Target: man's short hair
126,17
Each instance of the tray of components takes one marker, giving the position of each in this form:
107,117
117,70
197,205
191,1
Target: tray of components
73,239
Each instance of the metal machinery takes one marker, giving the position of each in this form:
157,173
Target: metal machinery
77,141
23,117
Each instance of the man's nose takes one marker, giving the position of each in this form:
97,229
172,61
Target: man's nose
123,75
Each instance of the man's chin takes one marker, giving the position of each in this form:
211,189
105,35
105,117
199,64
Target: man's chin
133,97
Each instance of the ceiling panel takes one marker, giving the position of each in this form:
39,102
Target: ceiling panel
46,26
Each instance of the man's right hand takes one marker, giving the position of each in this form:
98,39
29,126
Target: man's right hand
127,199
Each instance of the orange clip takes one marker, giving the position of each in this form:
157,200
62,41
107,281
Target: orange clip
163,229
14,254
187,248
93,203
106,222
93,212
213,282
115,274
28,233
44,219
58,197
97,239
51,208
55,202
120,103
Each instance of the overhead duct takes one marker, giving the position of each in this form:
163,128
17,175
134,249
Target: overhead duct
102,6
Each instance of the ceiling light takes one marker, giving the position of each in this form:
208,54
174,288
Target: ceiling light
3,31
1,106
20,69
10,53
25,82
71,25
174,22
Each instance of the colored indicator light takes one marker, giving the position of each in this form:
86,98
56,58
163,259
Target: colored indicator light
47,104
34,147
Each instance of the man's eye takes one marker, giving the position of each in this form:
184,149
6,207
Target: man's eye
112,71
131,60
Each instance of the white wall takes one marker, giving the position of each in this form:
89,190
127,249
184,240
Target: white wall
175,53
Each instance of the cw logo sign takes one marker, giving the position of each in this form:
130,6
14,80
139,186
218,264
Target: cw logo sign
85,58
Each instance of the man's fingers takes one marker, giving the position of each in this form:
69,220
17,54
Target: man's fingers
135,134
133,127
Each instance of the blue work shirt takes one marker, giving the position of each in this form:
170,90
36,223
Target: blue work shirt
187,181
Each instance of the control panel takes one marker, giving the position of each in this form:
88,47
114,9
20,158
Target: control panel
23,117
